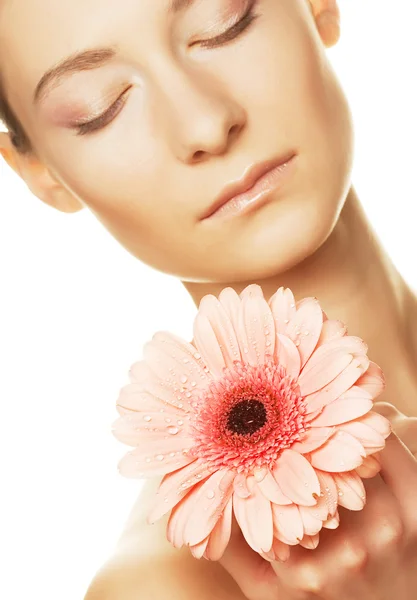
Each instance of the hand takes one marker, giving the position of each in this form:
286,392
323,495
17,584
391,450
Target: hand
371,555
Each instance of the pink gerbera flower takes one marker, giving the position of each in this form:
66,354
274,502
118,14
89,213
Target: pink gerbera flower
266,416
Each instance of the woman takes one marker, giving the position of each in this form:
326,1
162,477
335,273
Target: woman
195,95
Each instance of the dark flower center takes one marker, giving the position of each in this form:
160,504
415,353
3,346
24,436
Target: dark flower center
246,417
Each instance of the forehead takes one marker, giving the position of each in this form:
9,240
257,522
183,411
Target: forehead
36,34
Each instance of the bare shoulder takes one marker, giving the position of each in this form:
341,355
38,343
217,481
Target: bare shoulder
146,566
157,578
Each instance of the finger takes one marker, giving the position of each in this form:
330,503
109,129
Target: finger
399,471
252,573
405,427
334,570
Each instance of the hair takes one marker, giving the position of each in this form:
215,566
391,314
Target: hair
18,136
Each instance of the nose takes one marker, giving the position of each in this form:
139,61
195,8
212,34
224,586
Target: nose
202,118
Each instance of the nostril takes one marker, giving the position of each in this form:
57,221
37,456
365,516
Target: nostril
198,155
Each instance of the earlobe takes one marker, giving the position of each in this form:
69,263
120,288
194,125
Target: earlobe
38,178
327,16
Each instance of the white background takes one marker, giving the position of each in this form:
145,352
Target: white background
76,309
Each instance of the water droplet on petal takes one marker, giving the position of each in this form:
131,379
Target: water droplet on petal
180,422
286,321
167,420
184,379
197,355
193,383
173,430
160,457
306,333
147,418
297,343
172,454
210,494
340,493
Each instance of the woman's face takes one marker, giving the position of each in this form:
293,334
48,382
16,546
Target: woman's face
192,113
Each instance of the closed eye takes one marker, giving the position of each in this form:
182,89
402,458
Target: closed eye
105,118
227,36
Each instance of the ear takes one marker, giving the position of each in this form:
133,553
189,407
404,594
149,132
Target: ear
327,16
38,178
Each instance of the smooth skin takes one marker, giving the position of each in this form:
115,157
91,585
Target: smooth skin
195,117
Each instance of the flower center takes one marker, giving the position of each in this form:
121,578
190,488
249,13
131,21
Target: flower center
247,416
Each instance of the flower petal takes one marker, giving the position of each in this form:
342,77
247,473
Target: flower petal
343,410
310,523
343,382
145,461
198,550
370,467
150,396
282,304
373,380
256,319
211,500
288,526
174,486
240,486
296,478
378,422
370,439
287,355
207,345
220,536
341,453
330,331
254,517
136,428
253,290
222,327
322,369
313,439
271,490
305,326
166,355
330,497
179,517
310,541
279,552
351,491
329,355
332,522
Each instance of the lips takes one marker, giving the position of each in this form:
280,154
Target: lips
249,179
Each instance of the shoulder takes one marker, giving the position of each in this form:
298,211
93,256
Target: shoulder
157,578
146,567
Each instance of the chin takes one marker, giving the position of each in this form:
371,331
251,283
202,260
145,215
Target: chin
281,245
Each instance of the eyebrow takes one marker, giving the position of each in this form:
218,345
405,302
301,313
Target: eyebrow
88,59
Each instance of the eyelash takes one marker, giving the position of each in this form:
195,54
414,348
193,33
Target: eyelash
227,36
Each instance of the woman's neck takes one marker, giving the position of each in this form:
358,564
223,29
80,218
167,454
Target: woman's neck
356,282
